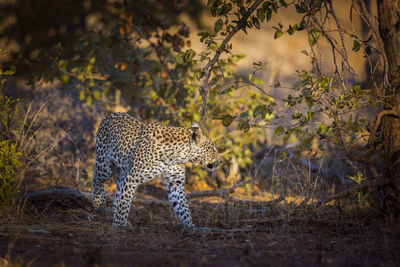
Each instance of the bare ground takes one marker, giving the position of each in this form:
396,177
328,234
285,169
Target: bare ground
244,234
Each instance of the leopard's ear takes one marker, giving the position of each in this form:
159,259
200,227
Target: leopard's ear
196,132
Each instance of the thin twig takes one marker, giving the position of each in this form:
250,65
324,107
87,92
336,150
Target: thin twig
223,193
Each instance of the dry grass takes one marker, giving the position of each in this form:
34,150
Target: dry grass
56,137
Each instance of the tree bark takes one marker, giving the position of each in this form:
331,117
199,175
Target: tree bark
389,30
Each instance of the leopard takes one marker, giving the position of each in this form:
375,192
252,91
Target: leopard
136,152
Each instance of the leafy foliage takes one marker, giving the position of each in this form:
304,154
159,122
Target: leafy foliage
154,66
8,153
329,110
143,50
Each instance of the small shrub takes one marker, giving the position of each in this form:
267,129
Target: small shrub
8,164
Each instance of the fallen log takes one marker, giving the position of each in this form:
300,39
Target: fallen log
68,198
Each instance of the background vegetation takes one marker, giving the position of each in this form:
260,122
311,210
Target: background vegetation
315,146
138,57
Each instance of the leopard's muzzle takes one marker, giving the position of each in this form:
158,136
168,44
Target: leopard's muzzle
213,166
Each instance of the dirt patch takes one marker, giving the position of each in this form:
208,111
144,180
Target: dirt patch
243,235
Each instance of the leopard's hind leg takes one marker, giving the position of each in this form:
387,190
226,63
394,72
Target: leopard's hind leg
126,187
102,173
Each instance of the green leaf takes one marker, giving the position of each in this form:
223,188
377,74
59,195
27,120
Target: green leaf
269,14
92,60
260,110
309,115
8,72
261,14
322,128
309,101
203,35
81,95
2,83
286,136
284,154
357,89
189,54
292,29
185,57
210,2
97,94
64,79
283,3
296,116
227,120
89,100
278,34
256,22
179,57
350,120
302,25
314,35
279,130
304,52
225,9
244,125
80,77
305,143
218,25
244,115
301,8
356,46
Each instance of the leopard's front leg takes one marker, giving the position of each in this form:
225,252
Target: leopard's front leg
174,180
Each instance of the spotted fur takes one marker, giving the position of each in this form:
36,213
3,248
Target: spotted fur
136,153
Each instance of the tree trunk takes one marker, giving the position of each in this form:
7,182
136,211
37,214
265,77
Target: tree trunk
389,29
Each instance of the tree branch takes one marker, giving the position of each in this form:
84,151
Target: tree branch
105,77
366,16
223,193
208,68
378,122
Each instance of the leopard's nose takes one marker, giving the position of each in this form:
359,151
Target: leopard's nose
215,164
212,166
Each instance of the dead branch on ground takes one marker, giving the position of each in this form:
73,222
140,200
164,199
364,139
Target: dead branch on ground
73,198
223,193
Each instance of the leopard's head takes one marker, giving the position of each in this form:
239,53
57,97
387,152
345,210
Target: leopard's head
203,149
